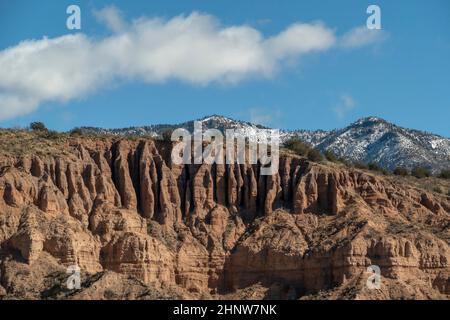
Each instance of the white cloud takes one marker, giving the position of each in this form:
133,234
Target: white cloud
112,18
345,105
45,70
362,36
301,38
194,49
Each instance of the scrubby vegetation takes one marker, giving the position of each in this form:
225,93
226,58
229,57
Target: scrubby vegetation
298,146
445,174
167,135
377,168
76,132
38,139
330,156
41,130
360,165
315,155
438,189
400,171
303,149
16,142
420,172
38,126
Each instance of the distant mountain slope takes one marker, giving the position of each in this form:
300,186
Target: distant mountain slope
376,140
369,139
214,121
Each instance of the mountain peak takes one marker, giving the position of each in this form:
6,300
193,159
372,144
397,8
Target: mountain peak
373,139
221,122
369,120
216,118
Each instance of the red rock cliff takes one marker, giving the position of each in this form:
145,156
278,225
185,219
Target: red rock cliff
121,206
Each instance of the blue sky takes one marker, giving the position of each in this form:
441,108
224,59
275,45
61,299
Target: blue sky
403,76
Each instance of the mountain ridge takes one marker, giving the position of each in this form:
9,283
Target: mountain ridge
368,139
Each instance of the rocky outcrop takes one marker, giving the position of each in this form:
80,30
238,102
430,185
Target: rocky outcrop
140,256
282,251
123,207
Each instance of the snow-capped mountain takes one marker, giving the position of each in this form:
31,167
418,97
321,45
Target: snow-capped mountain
375,140
221,123
369,139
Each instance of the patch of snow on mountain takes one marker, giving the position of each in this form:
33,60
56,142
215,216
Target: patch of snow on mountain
370,139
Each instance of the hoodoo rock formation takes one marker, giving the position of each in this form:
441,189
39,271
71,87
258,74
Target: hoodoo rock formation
139,226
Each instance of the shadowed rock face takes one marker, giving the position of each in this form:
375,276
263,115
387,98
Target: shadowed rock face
123,208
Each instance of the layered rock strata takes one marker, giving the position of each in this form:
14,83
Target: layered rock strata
123,207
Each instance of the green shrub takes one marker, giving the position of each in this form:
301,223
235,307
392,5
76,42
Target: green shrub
38,126
345,162
315,155
76,132
438,190
167,135
445,174
420,172
400,171
331,156
377,168
54,135
374,166
298,146
360,165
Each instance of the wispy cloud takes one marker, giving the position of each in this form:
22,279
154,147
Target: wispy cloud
362,36
346,104
112,18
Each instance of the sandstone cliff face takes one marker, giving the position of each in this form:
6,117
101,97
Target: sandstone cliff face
123,207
